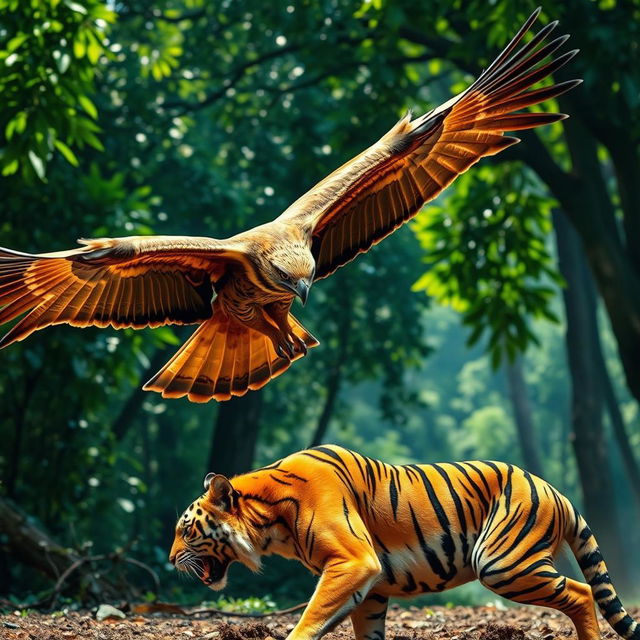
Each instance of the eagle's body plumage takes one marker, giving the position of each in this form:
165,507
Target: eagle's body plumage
240,290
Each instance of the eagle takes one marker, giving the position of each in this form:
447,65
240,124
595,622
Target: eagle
240,290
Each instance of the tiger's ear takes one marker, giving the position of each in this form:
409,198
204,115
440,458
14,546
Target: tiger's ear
220,492
207,480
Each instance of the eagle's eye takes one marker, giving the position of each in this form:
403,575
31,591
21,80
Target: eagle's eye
283,275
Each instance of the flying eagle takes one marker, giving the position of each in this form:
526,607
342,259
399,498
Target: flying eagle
240,290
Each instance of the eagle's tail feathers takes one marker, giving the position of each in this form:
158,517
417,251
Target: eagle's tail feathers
223,359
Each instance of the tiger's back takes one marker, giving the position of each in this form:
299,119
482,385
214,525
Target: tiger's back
372,530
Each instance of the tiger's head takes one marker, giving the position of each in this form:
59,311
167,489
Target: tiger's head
210,535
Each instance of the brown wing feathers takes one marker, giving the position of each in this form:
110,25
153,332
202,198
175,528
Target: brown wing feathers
417,159
71,289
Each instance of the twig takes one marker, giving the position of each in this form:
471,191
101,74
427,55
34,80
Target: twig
51,598
148,569
280,612
67,572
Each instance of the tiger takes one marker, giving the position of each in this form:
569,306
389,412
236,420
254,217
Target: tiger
373,530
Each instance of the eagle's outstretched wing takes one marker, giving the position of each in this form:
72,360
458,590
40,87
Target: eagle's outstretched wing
123,282
366,199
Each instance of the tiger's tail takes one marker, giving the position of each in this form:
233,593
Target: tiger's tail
223,358
587,553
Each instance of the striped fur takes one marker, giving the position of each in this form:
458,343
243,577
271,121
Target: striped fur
373,530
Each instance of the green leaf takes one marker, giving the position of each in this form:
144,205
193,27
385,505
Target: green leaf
15,42
74,6
20,121
63,61
166,335
10,168
66,152
37,164
9,129
88,106
93,140
79,46
94,50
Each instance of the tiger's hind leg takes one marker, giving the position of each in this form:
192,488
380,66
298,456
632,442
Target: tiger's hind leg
535,580
369,616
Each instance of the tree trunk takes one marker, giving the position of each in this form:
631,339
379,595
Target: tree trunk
21,423
131,408
589,442
334,379
523,416
613,269
584,198
333,388
620,433
235,434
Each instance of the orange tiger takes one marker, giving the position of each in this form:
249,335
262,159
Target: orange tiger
372,530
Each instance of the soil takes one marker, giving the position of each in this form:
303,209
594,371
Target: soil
435,623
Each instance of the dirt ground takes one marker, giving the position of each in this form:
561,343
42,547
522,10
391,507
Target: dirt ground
437,623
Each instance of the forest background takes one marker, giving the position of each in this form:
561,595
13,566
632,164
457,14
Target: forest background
503,323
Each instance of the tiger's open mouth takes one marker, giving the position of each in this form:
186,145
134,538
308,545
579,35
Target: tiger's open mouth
214,573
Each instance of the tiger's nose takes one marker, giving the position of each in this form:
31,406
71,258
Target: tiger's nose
172,559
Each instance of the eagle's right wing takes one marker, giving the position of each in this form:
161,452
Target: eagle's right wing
370,196
134,282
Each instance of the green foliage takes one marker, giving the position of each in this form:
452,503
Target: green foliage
486,246
49,52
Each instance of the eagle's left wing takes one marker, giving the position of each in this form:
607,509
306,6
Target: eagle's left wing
139,281
366,199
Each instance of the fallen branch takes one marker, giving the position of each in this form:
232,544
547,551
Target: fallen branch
165,607
280,612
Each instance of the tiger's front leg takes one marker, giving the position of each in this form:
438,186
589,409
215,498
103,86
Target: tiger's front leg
369,617
343,586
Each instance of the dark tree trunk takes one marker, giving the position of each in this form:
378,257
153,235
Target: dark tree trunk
613,267
167,441
334,379
21,423
235,434
588,400
523,416
619,431
131,408
13,465
333,388
584,198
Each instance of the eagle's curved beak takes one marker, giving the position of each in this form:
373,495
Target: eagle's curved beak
302,290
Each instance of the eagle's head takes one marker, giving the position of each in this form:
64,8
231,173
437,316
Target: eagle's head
292,269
